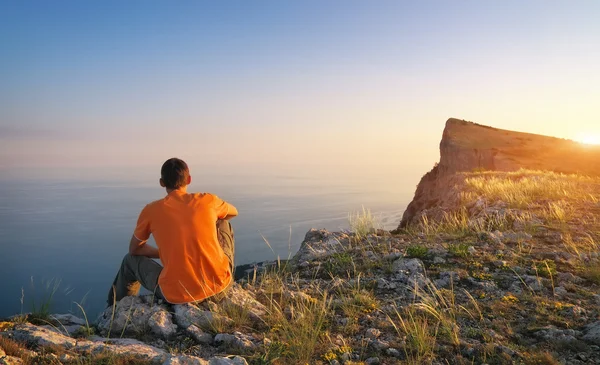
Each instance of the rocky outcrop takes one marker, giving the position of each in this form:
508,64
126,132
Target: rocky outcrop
468,147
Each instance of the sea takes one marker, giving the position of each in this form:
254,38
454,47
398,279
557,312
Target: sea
62,239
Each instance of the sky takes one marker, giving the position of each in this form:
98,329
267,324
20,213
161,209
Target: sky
278,84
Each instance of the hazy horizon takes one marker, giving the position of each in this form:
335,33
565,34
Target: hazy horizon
348,85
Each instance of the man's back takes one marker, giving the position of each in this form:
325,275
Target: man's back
183,226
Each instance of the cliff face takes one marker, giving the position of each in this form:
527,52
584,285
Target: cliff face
467,146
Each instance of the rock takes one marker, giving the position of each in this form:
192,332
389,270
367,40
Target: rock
392,352
236,340
317,245
10,360
161,324
560,291
380,345
439,260
188,314
132,316
372,333
199,335
236,360
574,312
68,319
446,278
385,284
41,336
471,250
66,358
372,361
238,297
569,278
184,360
592,333
410,272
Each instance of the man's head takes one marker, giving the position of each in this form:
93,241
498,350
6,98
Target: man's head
174,174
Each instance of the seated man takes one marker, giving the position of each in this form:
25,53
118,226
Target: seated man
194,239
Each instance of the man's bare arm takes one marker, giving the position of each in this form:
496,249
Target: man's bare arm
142,248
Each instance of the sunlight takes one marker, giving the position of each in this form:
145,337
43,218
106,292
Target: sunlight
591,139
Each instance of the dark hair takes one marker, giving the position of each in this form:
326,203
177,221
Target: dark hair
174,173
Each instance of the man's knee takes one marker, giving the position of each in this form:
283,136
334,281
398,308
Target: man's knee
225,226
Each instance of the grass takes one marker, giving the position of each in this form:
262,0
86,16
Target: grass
362,223
299,325
40,311
459,249
420,334
417,251
525,187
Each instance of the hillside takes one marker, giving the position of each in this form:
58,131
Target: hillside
467,147
506,272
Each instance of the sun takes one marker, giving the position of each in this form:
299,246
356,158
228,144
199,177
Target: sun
591,139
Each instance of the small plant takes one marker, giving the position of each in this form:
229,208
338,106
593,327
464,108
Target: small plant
417,251
591,273
545,268
338,263
40,312
362,223
459,249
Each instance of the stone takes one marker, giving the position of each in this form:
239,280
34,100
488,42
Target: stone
44,337
471,250
188,314
132,315
184,360
236,340
372,361
41,336
199,335
68,319
560,291
372,333
392,352
592,333
439,260
236,360
161,324
446,278
10,360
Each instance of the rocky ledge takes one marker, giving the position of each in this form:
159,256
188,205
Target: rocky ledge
506,272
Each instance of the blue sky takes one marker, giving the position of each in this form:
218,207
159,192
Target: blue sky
349,83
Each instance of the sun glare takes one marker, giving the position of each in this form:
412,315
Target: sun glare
595,140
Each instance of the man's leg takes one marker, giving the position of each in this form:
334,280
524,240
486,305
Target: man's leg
135,271
226,240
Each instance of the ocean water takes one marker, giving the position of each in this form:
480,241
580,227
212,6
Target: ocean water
72,233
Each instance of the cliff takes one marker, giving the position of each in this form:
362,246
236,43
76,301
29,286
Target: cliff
467,147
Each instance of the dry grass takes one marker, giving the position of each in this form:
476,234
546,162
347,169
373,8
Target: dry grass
525,187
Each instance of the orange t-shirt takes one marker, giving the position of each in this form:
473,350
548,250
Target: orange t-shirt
184,228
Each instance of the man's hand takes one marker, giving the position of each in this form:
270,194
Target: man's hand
141,248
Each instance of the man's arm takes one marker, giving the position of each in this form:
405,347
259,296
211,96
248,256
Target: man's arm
231,211
142,248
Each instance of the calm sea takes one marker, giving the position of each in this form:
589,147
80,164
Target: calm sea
74,233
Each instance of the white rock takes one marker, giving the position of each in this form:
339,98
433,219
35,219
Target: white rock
185,360
10,360
237,360
68,319
161,324
372,333
236,340
188,314
199,335
132,315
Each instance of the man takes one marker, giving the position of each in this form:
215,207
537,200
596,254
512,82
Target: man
194,239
